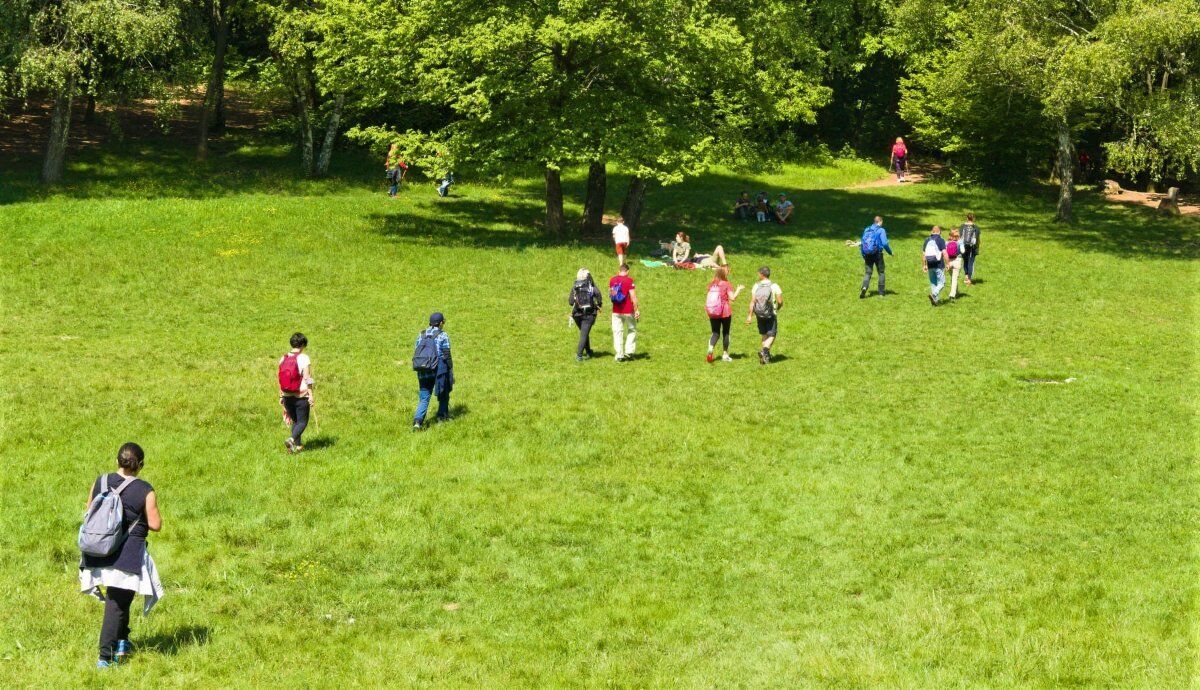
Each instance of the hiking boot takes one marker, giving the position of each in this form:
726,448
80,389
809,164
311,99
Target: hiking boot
709,358
726,358
762,356
766,356
862,294
124,651
290,444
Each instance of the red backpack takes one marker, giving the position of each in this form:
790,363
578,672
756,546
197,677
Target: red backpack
289,373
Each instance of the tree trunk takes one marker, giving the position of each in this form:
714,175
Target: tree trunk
1066,172
331,130
60,132
554,203
304,112
216,79
593,204
89,112
631,210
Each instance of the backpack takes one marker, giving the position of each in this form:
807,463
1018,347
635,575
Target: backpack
714,304
616,293
932,253
581,297
870,241
764,303
970,235
103,530
952,248
289,373
427,354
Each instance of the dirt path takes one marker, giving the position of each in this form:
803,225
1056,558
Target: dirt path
915,175
1128,196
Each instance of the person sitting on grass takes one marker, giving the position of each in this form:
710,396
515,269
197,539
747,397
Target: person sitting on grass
435,370
129,570
445,183
762,207
711,261
295,391
783,210
743,207
718,305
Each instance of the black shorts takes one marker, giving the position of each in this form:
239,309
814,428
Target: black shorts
768,326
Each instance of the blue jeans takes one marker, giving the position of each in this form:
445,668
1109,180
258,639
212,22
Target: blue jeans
425,394
393,189
969,262
937,281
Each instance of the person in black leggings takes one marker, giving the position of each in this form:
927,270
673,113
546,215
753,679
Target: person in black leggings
585,301
718,306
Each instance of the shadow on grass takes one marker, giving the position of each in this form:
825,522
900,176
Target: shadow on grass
170,643
320,443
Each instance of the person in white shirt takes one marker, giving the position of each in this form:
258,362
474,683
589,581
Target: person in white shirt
621,239
296,403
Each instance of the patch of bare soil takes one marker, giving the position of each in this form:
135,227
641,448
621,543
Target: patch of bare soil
915,175
1114,193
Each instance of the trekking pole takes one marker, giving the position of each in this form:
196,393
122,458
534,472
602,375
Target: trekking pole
316,420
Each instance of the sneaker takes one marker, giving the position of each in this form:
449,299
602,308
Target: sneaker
105,664
932,301
726,358
862,294
417,426
762,356
619,358
766,356
709,358
124,651
290,444
578,358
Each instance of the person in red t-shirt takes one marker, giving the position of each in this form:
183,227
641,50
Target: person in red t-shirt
625,313
718,306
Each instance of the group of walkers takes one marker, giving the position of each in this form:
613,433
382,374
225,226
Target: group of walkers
760,208
395,170
937,256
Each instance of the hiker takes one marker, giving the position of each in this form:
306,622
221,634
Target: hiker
620,233
933,259
718,306
970,247
766,299
435,370
762,207
954,261
444,184
622,294
743,207
395,168
128,570
585,304
874,243
899,162
783,209
295,391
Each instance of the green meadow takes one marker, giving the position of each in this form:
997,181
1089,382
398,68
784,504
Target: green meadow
999,492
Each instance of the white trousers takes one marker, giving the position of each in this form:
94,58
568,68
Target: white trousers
624,328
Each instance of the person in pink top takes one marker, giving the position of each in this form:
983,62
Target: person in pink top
899,159
718,306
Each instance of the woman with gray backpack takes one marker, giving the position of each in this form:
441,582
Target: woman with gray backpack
121,511
585,302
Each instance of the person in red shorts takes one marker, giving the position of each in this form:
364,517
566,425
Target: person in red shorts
621,239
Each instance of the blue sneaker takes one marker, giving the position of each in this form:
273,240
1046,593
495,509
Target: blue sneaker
105,664
124,651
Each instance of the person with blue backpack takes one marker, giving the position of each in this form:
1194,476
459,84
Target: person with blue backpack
122,510
435,370
874,243
625,313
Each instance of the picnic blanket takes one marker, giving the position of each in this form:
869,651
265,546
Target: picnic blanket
652,264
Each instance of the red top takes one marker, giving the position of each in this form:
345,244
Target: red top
899,151
723,286
626,284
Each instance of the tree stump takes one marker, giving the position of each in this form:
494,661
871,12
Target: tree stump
1169,205
1111,187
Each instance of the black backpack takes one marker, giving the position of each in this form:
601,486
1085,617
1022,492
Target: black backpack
427,355
970,235
583,297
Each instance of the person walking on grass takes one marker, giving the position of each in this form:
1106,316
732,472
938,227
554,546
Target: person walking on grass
622,294
899,161
874,243
970,247
395,168
719,307
620,233
296,391
585,301
128,570
954,261
933,261
765,303
435,370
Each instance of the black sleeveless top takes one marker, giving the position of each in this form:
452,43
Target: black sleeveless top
133,498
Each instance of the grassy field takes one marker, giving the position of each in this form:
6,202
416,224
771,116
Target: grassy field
892,503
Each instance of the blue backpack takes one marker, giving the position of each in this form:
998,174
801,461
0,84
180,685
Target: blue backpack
616,294
427,355
870,241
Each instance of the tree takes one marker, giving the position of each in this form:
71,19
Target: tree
70,47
